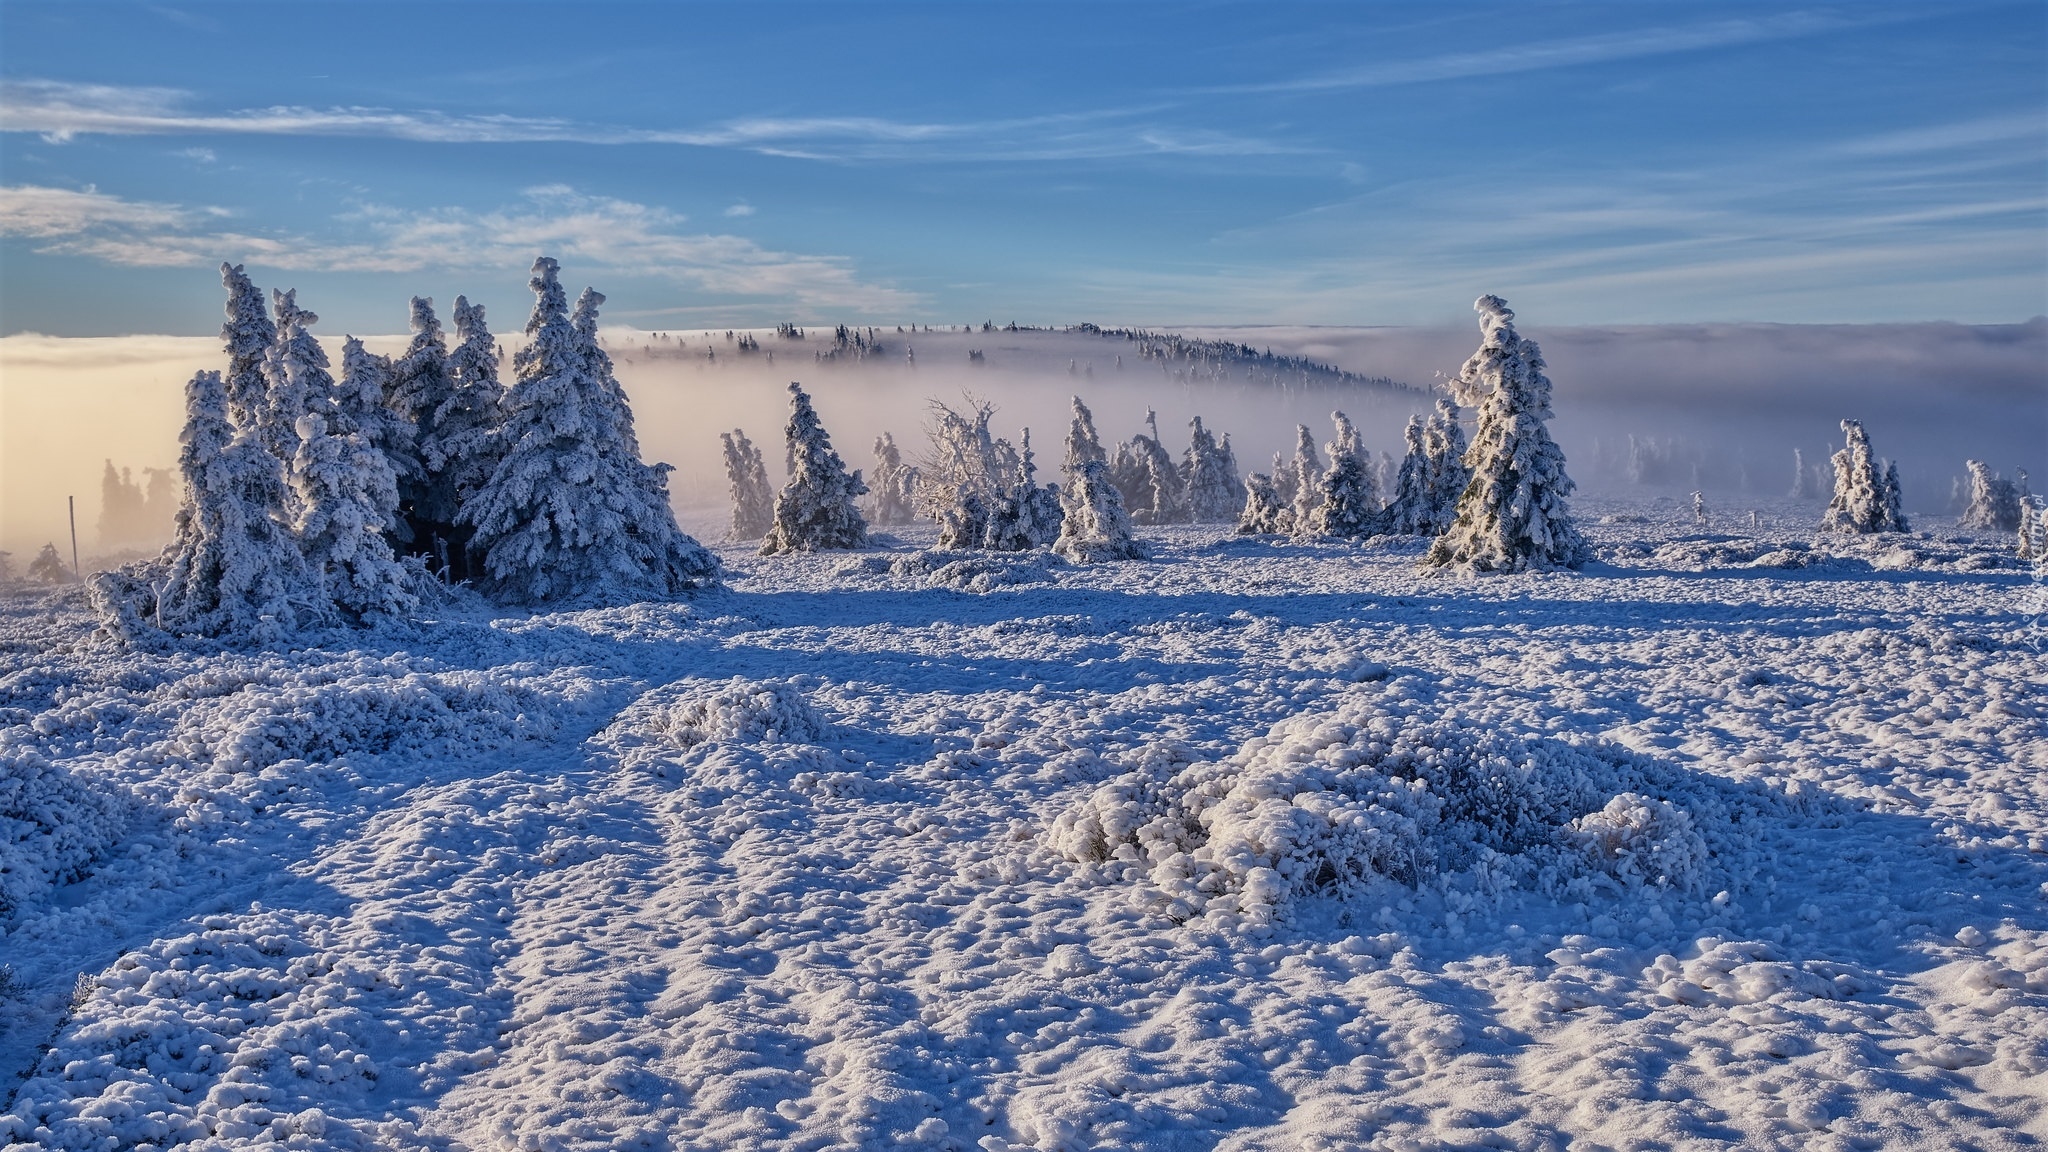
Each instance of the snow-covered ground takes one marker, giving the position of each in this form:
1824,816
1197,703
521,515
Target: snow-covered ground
1734,839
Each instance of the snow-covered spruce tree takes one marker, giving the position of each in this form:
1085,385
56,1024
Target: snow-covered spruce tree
1096,527
1208,472
1862,503
358,407
963,473
1994,500
1894,502
1145,475
421,385
248,335
1512,515
48,567
1082,444
753,499
348,496
1264,511
1350,503
124,512
1408,510
1444,440
466,447
296,371
895,484
676,562
816,510
236,571
1802,478
1306,474
1023,515
565,515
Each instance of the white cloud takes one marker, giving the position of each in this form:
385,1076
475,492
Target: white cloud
61,110
593,231
740,210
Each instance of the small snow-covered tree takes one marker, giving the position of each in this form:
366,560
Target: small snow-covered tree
1208,472
1306,474
816,510
348,496
1350,502
1145,475
466,446
1894,502
1862,503
1264,511
358,407
1409,507
964,471
1512,515
1994,500
48,567
1023,515
1096,528
566,513
421,385
296,370
895,484
1444,439
124,510
236,571
249,335
753,498
1082,443
1802,478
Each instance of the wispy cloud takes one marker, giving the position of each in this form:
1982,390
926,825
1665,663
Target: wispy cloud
594,231
1993,130
1546,54
740,210
60,111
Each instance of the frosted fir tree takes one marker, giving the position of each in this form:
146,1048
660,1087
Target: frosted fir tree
1306,476
1443,439
1408,510
1699,509
1082,445
48,567
1512,515
817,509
348,497
1023,515
236,571
359,407
1994,501
1265,512
466,447
248,335
1096,528
753,498
1350,504
1894,502
421,385
1863,503
1208,471
677,562
124,510
963,473
296,370
565,515
894,484
1145,475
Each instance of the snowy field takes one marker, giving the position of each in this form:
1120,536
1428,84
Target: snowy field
1734,839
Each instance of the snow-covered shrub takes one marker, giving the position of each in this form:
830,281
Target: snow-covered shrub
962,571
1095,528
894,484
1994,500
816,510
1145,476
1642,841
739,710
1512,514
1305,479
1865,500
348,499
1083,445
753,498
1265,512
52,826
1208,469
1022,514
48,567
1349,502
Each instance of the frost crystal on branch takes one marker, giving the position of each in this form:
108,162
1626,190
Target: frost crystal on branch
1512,515
816,509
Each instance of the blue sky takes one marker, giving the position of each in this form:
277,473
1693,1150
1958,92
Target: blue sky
1321,164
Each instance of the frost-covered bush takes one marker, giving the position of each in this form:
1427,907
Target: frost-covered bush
1146,477
348,500
1208,470
1095,528
894,484
1642,841
1082,446
739,710
962,571
753,498
1865,500
1339,803
1304,486
1994,500
53,826
1512,514
1022,514
1265,512
816,510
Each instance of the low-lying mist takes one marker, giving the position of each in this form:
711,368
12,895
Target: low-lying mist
1719,407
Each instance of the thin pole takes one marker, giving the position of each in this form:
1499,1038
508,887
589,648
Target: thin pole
72,503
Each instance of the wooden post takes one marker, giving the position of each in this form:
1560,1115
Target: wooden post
71,502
